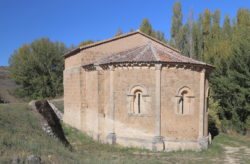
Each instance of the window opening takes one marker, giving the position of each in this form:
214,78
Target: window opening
137,101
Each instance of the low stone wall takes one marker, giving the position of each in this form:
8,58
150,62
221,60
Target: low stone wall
49,121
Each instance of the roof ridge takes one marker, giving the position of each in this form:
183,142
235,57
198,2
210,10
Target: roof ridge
158,41
154,53
120,54
179,56
142,52
131,50
148,52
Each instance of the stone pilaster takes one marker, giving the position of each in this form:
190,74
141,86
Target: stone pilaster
158,144
99,105
111,138
202,98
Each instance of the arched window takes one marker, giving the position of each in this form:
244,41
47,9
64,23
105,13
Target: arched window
184,101
138,102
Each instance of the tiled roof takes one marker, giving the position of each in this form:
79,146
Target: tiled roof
80,48
149,53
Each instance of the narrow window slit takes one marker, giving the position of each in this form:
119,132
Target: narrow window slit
139,101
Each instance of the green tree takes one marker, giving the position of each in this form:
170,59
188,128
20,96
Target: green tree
190,41
197,39
146,27
243,18
206,31
159,36
86,42
183,42
214,44
228,49
227,29
184,38
231,82
176,25
38,68
216,30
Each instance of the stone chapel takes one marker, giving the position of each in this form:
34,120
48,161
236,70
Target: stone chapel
136,91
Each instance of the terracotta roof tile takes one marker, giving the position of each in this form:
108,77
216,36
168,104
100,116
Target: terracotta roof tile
149,52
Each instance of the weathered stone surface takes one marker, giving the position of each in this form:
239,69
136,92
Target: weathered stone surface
158,144
50,122
57,112
111,139
101,100
203,142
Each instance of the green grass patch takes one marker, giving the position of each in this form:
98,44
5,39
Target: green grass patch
21,135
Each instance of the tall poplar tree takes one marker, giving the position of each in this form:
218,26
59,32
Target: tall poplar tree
176,25
146,27
227,29
227,47
197,38
206,31
231,79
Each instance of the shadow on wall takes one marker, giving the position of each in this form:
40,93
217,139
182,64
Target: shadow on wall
212,128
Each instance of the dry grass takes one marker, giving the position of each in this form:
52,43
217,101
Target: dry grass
21,135
7,86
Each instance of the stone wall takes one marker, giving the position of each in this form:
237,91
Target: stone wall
179,126
72,97
99,102
179,131
75,80
130,127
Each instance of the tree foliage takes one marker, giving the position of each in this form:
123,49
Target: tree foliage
227,47
86,42
147,28
38,68
233,84
177,29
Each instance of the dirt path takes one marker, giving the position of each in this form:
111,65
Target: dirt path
233,153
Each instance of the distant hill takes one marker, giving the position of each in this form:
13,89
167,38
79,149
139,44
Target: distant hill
7,86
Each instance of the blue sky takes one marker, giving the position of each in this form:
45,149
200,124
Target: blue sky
72,21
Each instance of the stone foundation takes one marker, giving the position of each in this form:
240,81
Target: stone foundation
160,144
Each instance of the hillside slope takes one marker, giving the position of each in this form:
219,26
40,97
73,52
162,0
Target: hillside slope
7,85
21,135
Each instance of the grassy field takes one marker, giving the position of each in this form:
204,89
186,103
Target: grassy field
7,86
21,135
